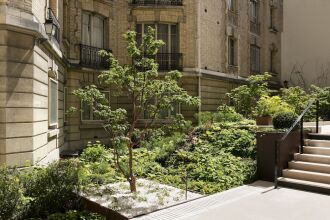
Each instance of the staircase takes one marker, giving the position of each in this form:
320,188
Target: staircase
310,170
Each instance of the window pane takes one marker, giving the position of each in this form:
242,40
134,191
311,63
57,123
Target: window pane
86,111
86,29
139,34
162,34
98,32
174,39
52,102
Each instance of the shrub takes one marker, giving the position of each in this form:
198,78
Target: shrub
224,114
246,97
284,120
296,97
323,95
269,106
52,189
12,201
75,215
94,153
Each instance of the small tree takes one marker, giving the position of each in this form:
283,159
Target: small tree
149,93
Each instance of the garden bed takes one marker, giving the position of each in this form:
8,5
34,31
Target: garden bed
116,199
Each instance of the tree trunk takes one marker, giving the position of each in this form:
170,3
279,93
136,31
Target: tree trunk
132,178
132,184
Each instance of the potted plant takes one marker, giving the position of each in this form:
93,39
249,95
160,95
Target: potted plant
267,107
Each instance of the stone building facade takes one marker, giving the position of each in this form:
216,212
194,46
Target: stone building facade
215,43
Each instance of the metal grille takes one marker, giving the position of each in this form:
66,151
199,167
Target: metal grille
157,2
90,57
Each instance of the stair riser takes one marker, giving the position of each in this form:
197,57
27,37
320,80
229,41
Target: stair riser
311,150
310,167
307,176
317,143
305,187
311,158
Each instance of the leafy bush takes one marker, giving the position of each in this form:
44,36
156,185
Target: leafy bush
224,114
12,201
94,153
52,189
323,95
245,97
296,97
283,120
75,215
269,106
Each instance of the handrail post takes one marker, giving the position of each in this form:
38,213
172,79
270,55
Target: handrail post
302,135
276,165
317,115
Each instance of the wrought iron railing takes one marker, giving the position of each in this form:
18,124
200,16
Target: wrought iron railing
299,122
51,16
157,2
169,61
255,27
90,57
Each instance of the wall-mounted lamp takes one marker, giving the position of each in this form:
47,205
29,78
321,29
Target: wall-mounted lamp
50,27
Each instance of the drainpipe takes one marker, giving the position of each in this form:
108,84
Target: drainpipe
199,65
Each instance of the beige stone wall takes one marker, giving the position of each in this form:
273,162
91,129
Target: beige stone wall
305,51
25,137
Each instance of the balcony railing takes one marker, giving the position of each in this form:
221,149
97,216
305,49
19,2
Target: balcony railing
157,2
89,57
168,61
51,16
255,27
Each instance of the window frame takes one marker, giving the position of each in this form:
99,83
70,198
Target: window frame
257,52
169,34
50,124
254,11
91,16
91,116
231,51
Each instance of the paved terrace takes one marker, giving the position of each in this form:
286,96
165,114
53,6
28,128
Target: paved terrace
256,201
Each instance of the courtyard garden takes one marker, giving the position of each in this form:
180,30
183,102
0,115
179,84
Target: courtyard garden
143,169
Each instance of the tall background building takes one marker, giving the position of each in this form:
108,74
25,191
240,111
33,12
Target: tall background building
305,53
217,44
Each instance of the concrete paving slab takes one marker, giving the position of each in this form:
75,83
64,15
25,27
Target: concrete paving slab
258,201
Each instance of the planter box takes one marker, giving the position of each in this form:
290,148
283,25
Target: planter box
265,120
266,153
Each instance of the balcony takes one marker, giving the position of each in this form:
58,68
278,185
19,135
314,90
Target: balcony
168,61
52,18
157,2
255,27
90,58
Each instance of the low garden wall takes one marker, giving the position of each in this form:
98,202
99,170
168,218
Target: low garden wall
266,153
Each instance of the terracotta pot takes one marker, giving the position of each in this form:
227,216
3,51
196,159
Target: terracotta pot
264,120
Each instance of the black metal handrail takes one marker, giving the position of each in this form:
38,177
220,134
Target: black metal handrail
300,120
157,2
90,57
51,16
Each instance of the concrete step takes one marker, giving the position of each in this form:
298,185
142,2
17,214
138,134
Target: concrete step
307,166
317,150
313,158
304,185
319,136
307,176
317,143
